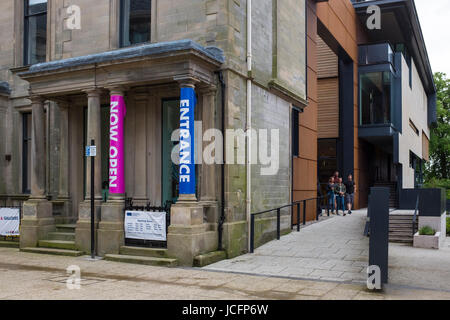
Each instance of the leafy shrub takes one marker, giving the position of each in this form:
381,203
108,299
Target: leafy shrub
448,226
427,231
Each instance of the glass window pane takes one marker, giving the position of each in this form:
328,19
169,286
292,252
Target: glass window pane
136,19
376,98
37,6
37,39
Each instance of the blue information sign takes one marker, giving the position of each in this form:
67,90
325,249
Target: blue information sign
187,141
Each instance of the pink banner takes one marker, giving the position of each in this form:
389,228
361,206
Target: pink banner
116,146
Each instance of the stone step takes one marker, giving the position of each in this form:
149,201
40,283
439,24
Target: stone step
209,258
144,252
57,244
63,236
68,228
149,261
9,244
57,252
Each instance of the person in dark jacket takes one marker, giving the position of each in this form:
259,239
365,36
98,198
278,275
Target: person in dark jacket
350,187
330,194
339,190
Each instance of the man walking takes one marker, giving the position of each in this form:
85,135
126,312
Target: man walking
350,187
339,190
330,194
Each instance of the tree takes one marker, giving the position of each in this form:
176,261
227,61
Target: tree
439,165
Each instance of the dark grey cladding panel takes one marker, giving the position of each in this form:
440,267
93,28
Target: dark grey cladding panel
4,88
432,202
129,53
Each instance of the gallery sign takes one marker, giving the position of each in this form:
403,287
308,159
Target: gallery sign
187,141
9,222
116,142
145,225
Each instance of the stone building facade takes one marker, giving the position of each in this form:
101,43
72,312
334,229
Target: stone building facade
62,60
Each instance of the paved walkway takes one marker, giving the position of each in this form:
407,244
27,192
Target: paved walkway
35,276
333,250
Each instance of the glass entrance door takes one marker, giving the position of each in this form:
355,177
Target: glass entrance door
171,122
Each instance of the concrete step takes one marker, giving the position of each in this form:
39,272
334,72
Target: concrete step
63,236
57,244
57,252
144,252
149,261
9,244
68,228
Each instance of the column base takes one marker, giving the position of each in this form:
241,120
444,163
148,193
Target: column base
188,235
83,230
111,232
62,210
36,223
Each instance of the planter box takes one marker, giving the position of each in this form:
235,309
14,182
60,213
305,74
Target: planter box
427,242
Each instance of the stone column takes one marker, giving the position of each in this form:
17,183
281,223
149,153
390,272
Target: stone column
111,233
208,172
141,154
188,234
37,212
64,162
83,231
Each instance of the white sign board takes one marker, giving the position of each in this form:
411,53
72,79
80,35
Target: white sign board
9,222
91,151
144,225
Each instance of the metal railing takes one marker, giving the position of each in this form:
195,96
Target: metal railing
414,222
278,210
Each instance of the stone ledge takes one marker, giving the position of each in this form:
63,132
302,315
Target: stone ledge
209,258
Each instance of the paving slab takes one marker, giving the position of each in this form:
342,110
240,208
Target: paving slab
326,250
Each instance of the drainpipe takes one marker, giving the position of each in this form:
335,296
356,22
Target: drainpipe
249,116
222,215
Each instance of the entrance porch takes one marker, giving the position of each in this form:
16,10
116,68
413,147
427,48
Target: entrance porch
150,78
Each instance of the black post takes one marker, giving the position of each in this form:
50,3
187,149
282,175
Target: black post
379,231
298,217
317,210
278,223
252,233
92,204
304,212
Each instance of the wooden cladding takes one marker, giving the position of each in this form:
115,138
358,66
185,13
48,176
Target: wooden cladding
425,147
327,61
328,115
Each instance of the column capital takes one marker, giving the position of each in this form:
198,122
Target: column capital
208,90
93,93
37,99
186,81
117,90
141,96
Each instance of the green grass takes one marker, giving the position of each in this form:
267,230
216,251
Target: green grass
427,231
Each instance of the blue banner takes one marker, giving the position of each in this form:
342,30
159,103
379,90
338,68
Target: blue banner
187,141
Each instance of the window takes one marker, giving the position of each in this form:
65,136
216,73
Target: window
295,132
26,153
35,31
376,98
135,21
413,127
327,158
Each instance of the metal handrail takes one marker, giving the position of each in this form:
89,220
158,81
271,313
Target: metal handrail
278,210
415,216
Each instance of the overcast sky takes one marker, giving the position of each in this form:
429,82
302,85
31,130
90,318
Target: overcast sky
434,18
